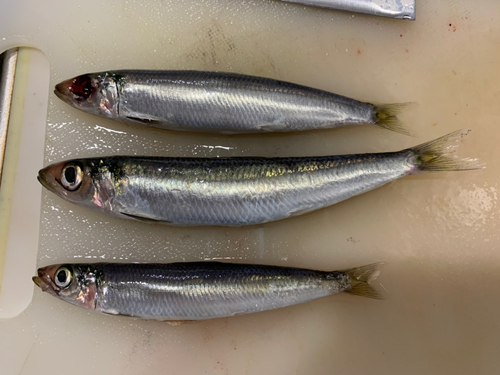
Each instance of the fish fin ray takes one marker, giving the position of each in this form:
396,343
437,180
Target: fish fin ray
302,211
437,155
146,219
146,121
169,321
386,116
360,278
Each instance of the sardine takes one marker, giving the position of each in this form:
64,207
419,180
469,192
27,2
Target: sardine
196,291
239,190
218,102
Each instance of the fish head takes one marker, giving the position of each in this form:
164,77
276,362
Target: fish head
76,284
95,93
86,182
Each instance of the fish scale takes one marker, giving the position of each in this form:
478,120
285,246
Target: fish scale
242,190
264,190
218,102
223,290
198,290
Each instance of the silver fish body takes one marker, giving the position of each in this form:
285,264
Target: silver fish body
234,191
228,191
196,291
243,191
217,102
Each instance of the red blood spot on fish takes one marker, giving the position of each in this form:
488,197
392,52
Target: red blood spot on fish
400,35
407,50
82,87
359,52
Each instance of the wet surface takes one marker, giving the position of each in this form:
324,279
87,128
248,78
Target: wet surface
438,232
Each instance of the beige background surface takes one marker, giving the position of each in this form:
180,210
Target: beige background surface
438,233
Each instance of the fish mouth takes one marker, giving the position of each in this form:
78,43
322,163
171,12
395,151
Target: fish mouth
47,179
44,279
43,181
63,92
38,281
44,282
41,283
59,93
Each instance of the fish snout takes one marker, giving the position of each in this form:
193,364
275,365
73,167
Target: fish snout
41,283
63,91
49,178
45,278
37,280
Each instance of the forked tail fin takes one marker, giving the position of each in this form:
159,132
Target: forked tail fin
438,155
360,280
386,116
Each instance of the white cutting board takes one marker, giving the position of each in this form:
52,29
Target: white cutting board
439,233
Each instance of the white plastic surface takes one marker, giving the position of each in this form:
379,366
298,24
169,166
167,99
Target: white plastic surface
439,233
20,196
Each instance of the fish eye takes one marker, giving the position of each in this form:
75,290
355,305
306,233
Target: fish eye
63,277
81,87
71,176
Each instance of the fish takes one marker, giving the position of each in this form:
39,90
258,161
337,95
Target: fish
179,292
237,191
218,102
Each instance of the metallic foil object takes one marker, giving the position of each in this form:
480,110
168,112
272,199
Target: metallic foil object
8,69
400,9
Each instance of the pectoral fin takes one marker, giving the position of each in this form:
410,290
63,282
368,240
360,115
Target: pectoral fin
146,219
150,121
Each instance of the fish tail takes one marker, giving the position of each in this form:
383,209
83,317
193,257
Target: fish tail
438,155
386,116
360,280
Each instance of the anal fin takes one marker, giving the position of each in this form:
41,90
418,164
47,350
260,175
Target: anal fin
302,211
